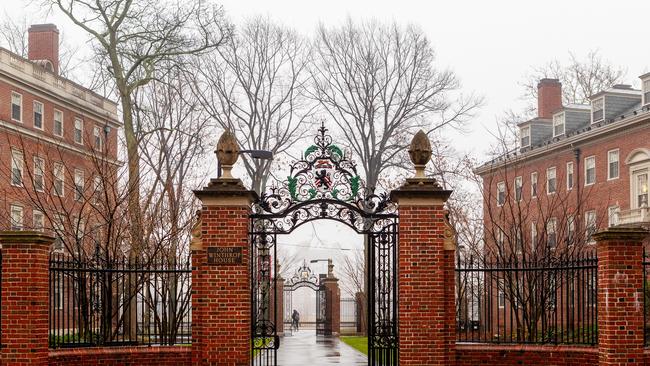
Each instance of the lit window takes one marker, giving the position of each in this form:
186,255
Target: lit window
38,115
59,179
98,138
551,233
16,168
569,176
16,217
590,170
58,123
39,174
612,164
16,107
533,184
38,220
597,110
78,184
551,180
612,215
501,193
518,188
525,136
590,225
78,131
646,91
558,124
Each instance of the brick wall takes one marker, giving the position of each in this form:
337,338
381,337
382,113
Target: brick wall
123,356
504,355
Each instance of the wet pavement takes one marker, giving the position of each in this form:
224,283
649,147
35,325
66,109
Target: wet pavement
303,348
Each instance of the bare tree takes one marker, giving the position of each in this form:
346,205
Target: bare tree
380,83
13,36
132,39
255,87
580,77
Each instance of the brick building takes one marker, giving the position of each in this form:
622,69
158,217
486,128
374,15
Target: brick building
53,134
578,169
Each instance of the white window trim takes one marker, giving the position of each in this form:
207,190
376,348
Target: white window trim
38,158
519,182
563,119
573,173
533,192
612,217
81,135
34,214
499,185
618,162
21,162
595,173
62,123
549,169
42,128
79,184
527,128
97,135
11,103
61,168
20,225
592,109
552,223
645,89
587,214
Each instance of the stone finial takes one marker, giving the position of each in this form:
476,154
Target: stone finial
330,268
227,152
420,152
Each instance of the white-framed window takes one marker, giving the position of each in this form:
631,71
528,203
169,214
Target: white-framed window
16,216
551,233
501,193
612,216
16,168
16,107
501,294
590,170
38,115
558,124
570,230
58,123
59,179
597,110
58,227
97,189
646,91
533,184
99,140
519,240
500,236
569,176
612,164
78,184
39,174
590,225
551,180
79,231
38,220
525,136
78,131
533,235
639,186
519,183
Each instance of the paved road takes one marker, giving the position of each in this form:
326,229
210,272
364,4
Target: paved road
305,349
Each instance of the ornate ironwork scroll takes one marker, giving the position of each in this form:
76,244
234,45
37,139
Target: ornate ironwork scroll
303,277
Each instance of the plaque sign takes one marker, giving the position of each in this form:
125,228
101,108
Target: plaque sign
218,256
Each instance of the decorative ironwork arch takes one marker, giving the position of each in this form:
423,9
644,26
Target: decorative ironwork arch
323,184
303,277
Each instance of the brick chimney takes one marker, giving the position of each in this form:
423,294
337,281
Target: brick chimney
43,46
549,97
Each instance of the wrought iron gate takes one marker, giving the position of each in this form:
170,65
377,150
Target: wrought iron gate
322,323
325,184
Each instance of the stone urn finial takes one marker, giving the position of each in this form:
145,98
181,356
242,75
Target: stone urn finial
227,152
420,152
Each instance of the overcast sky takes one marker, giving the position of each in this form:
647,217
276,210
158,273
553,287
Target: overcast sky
490,45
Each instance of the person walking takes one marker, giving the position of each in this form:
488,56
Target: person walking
295,319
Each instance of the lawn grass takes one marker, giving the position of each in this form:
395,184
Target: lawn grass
356,342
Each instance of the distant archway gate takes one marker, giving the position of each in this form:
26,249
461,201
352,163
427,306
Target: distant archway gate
303,277
325,184
410,260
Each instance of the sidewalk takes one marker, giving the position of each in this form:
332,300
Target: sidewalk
305,349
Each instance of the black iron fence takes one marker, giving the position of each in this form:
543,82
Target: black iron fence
544,302
125,302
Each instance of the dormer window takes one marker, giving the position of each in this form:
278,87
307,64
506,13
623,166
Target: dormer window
646,91
525,136
597,110
558,124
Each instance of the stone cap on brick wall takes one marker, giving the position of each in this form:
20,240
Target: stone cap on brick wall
621,233
29,237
